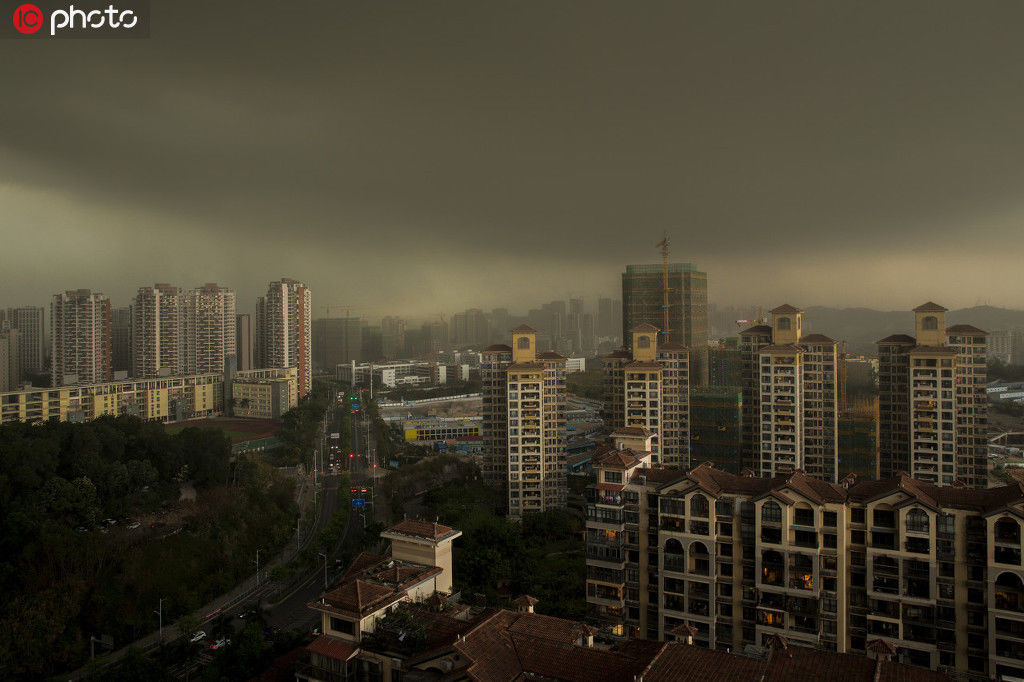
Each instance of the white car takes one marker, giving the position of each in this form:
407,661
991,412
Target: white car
197,636
223,642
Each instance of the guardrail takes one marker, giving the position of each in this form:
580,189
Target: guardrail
440,399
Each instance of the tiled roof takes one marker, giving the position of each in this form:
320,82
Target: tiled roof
524,329
631,431
816,338
358,596
784,309
363,561
685,663
964,329
929,307
332,648
761,329
781,348
498,348
613,457
421,529
550,355
644,327
525,600
898,338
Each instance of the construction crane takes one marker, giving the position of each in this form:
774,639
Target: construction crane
759,320
328,308
663,245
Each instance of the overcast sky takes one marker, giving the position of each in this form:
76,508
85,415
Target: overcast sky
428,156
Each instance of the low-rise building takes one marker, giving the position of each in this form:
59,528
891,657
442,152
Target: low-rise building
432,429
163,399
393,618
394,374
263,393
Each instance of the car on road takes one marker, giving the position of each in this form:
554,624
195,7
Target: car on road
134,525
220,643
197,636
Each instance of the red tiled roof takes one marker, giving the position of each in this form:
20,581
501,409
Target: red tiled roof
359,596
612,457
644,327
524,329
898,338
816,338
421,529
761,329
685,663
498,348
631,431
363,561
332,648
785,309
550,355
929,307
964,329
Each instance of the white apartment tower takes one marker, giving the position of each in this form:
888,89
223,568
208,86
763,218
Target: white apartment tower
934,412
283,329
790,395
80,326
647,385
158,334
524,423
210,331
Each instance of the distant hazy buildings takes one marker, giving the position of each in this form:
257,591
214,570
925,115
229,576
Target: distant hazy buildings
933,412
336,341
28,320
284,330
157,333
392,337
790,384
643,296
524,423
121,340
80,328
725,363
208,315
647,386
10,359
609,319
858,441
1006,346
244,339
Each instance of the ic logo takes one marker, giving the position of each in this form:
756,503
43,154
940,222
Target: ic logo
28,19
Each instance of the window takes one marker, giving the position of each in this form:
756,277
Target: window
771,512
857,515
917,521
699,506
828,519
613,477
523,343
784,324
643,342
346,627
930,323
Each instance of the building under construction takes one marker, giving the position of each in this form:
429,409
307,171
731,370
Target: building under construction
647,294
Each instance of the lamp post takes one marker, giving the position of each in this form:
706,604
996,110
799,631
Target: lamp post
325,568
160,614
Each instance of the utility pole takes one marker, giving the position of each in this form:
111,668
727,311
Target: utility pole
325,568
160,614
257,568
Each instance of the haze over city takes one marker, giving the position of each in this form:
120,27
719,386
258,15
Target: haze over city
395,156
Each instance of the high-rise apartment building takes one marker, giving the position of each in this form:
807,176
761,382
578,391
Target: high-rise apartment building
931,574
643,301
80,330
284,329
28,320
716,413
10,359
648,385
244,339
609,319
933,411
210,328
337,341
158,333
392,337
524,423
121,339
790,384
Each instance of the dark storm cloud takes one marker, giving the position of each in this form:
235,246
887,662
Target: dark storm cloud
391,153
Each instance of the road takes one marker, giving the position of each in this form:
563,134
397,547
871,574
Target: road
292,612
254,588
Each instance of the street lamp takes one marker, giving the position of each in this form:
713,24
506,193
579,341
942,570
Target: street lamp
160,614
325,568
